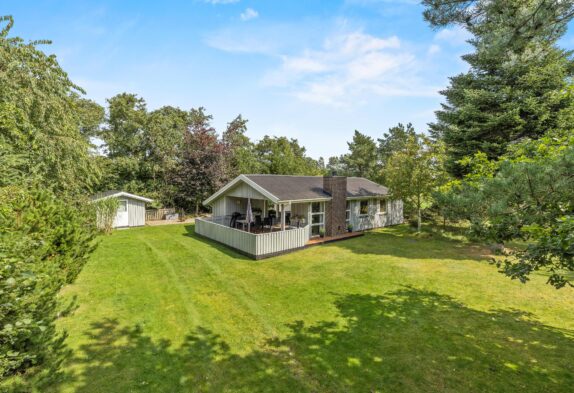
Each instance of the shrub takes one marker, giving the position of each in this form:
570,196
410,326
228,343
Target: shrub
44,243
105,212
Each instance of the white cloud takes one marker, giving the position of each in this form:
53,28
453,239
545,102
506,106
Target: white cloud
433,49
358,42
454,36
242,43
248,14
271,39
303,64
347,68
325,92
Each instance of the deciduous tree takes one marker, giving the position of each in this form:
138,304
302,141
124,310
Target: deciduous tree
39,120
283,156
241,156
45,234
201,167
163,142
414,172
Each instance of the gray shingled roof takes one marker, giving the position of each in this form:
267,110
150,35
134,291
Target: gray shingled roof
361,187
290,188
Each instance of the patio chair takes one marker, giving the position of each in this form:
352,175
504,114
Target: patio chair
234,217
272,213
258,222
268,222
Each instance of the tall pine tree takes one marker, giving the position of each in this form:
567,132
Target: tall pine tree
514,88
362,158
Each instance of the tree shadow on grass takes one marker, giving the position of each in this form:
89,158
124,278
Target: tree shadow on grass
400,242
408,340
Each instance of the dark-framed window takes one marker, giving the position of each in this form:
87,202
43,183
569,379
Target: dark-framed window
364,208
383,206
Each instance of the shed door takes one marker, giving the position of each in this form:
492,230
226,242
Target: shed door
122,214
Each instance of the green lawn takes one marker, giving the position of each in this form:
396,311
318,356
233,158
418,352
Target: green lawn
161,310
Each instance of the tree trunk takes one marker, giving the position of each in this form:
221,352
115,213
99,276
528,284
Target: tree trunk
418,213
419,219
197,209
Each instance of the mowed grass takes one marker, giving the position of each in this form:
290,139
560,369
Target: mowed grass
162,310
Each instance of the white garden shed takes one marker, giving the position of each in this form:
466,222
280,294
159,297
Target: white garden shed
131,209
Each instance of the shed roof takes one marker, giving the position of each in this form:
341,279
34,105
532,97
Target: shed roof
118,193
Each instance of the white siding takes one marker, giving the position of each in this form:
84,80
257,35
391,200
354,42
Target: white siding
243,190
235,200
227,205
218,207
374,219
136,212
235,204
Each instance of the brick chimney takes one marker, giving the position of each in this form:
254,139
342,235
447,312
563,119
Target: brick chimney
335,209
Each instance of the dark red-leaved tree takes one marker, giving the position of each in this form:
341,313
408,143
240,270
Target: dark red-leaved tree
201,168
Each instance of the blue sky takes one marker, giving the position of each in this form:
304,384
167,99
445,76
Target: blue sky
311,70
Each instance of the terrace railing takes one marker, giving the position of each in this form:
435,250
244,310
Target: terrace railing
254,245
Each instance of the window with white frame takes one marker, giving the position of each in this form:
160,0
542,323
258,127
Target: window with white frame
317,217
348,213
122,206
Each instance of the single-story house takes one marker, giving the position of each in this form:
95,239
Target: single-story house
288,211
131,208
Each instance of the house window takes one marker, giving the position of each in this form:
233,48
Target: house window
364,209
316,207
317,217
348,213
383,206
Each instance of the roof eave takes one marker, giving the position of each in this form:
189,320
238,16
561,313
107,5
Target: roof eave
355,198
233,182
322,199
124,194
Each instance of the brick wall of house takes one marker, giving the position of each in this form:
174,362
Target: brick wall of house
335,209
